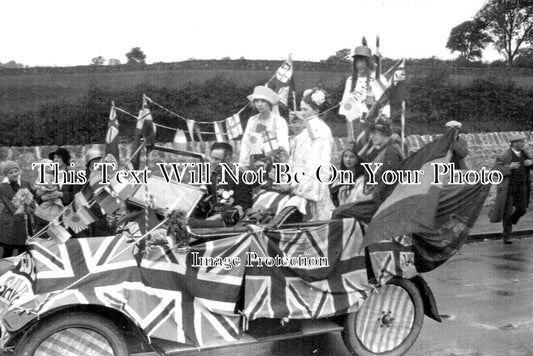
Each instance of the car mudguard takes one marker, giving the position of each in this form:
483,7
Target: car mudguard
430,305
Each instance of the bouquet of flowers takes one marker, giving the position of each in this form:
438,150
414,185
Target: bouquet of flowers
25,204
23,201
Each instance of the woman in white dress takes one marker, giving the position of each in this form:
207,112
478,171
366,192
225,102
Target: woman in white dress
263,99
311,149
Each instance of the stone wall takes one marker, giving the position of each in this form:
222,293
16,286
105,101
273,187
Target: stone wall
484,148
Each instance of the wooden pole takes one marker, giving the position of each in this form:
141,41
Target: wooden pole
403,125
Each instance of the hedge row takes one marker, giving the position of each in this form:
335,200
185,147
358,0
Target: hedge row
487,104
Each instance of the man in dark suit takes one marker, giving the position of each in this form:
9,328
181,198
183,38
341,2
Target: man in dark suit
228,201
460,146
390,156
512,197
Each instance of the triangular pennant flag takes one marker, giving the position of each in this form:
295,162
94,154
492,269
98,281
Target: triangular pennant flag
219,131
180,140
190,127
58,232
270,142
111,140
107,202
233,124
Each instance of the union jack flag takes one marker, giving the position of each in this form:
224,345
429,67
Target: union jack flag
303,292
111,140
165,295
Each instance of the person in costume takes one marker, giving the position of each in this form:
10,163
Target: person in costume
390,156
367,90
266,121
311,149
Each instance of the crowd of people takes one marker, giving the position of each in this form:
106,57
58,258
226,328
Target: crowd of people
27,208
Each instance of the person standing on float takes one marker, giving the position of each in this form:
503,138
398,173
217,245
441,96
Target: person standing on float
263,99
311,149
367,90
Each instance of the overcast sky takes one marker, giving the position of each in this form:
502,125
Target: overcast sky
68,32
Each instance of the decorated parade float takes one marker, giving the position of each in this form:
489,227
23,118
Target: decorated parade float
173,286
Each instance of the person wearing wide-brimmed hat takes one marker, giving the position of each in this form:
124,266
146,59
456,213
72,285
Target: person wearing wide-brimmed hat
367,90
14,227
512,195
263,99
390,156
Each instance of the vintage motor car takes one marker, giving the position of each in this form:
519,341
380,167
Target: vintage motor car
174,288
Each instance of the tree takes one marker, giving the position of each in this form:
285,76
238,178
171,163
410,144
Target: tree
225,58
341,56
524,57
511,24
136,56
98,61
469,39
12,64
113,62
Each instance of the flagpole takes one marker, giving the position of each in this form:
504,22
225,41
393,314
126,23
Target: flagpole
403,125
378,59
293,92
351,134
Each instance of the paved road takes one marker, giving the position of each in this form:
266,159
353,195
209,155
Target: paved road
486,292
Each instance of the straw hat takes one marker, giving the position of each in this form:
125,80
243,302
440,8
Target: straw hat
265,93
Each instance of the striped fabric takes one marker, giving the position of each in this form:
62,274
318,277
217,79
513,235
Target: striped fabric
275,201
70,343
307,291
390,302
395,257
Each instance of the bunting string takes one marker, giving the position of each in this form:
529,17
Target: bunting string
207,122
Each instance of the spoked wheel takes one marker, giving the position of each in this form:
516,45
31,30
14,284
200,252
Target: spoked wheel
388,322
73,334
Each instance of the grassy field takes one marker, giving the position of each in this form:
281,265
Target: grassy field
27,90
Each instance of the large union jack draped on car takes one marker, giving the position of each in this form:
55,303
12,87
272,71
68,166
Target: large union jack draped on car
171,297
304,290
164,294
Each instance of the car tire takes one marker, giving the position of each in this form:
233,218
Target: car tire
73,334
388,322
